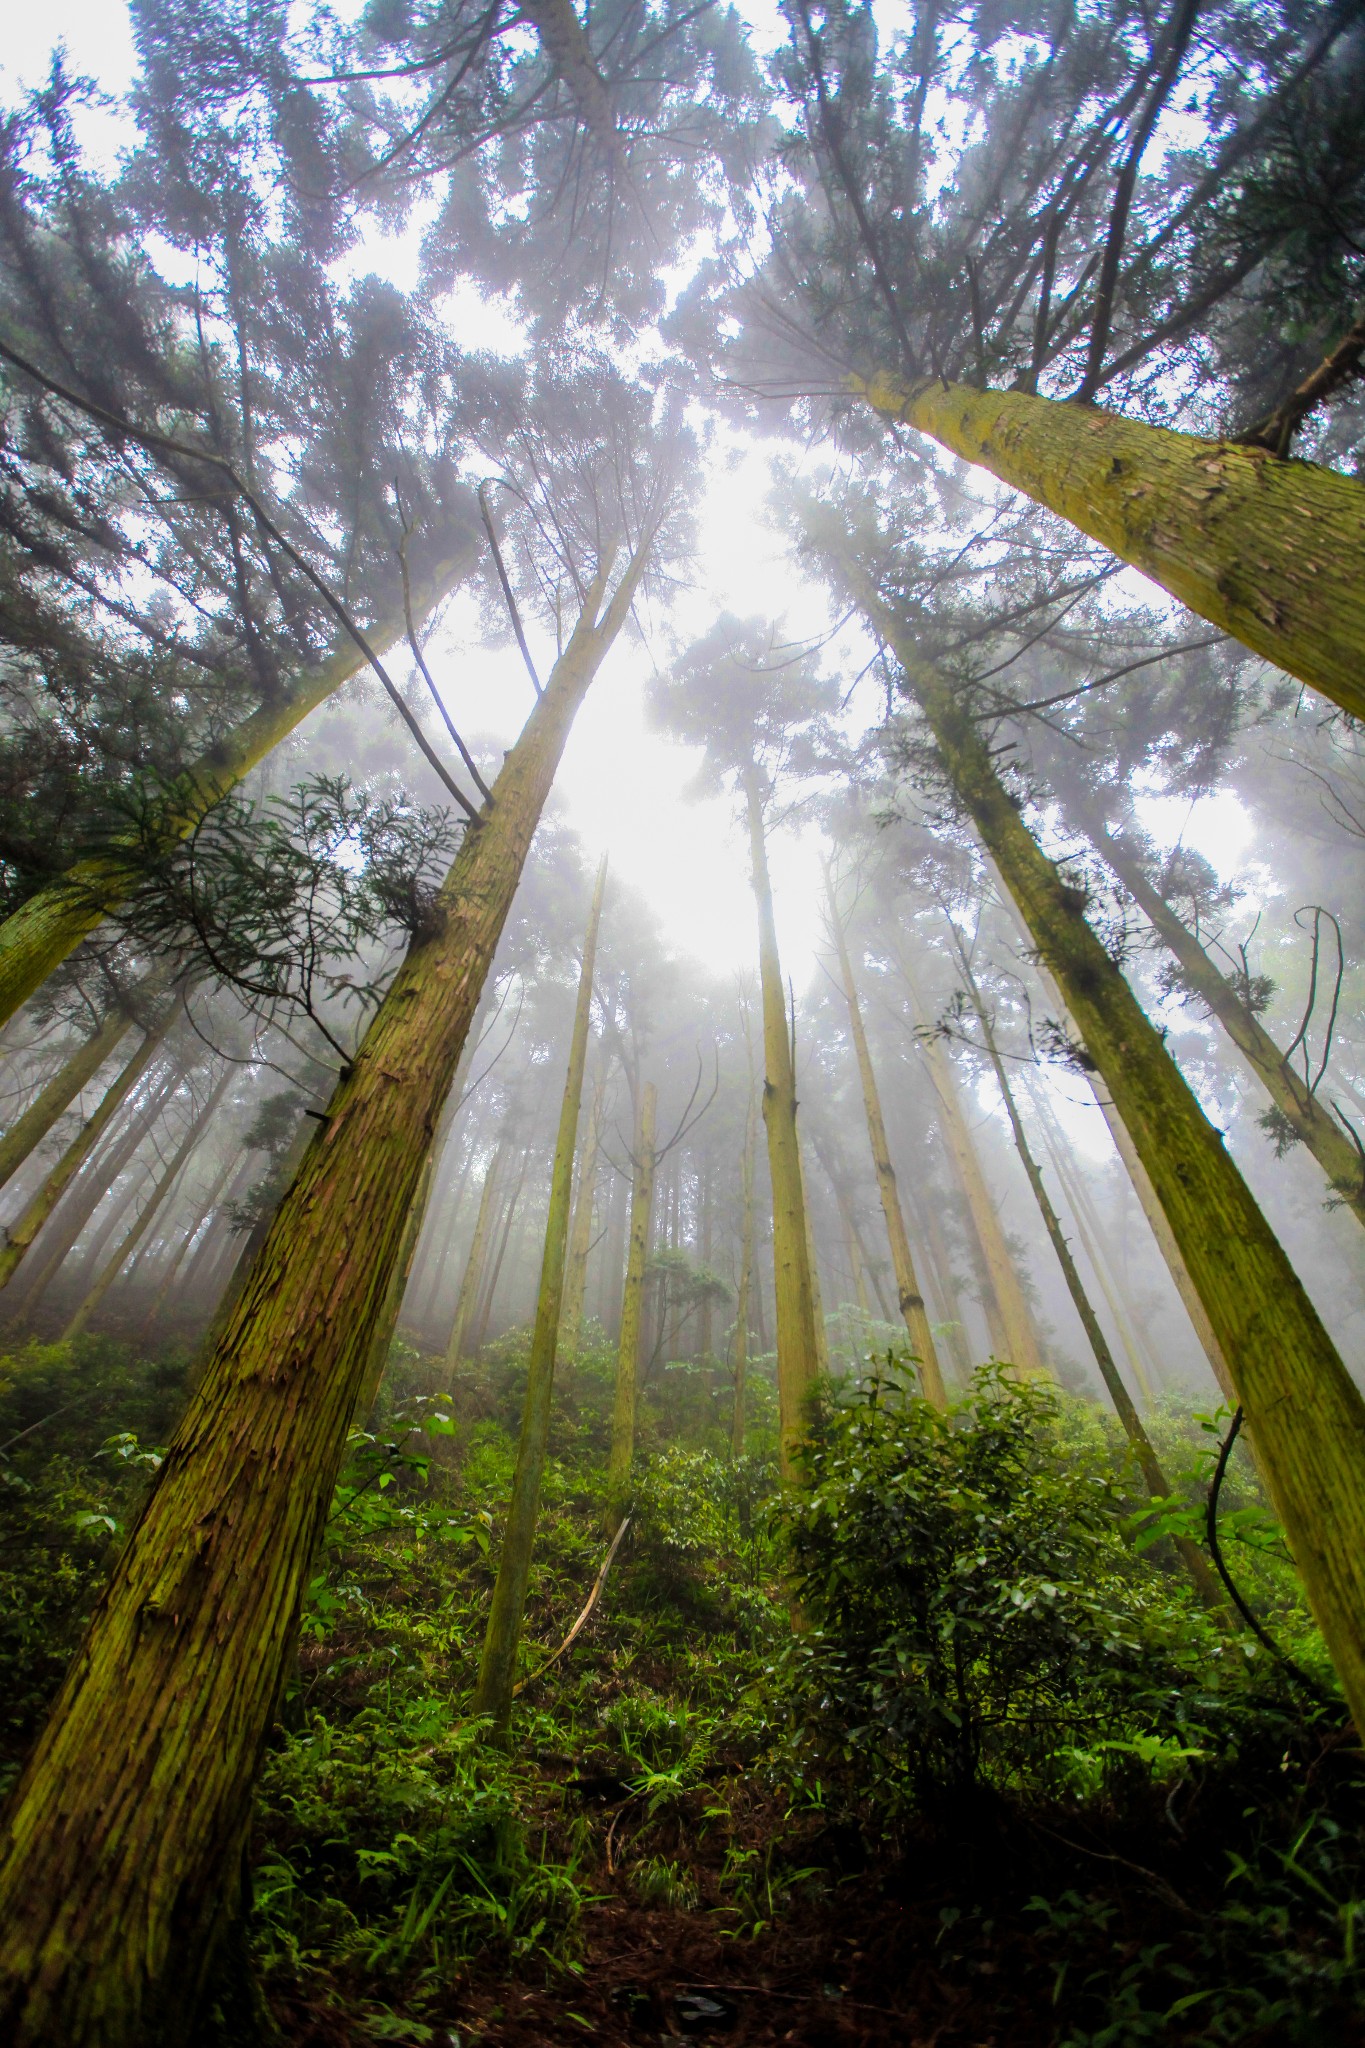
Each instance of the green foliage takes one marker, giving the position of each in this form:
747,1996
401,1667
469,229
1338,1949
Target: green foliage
977,1616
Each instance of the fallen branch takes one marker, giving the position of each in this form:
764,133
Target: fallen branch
598,1583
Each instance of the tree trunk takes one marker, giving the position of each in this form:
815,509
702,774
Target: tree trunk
479,1333
1306,1413
1011,1308
798,1354
1290,1093
173,1264
128,1826
104,1280
474,1264
100,1174
908,1295
632,1310
1155,1480
27,1132
704,1226
493,1693
739,1351
54,920
22,1232
1268,550
580,1234
929,1230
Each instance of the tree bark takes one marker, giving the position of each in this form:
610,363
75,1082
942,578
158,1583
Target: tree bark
27,1132
493,1692
54,920
739,1346
908,1295
1307,1415
1271,551
798,1356
632,1310
127,1829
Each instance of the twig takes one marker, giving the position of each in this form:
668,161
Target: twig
1296,1672
598,1583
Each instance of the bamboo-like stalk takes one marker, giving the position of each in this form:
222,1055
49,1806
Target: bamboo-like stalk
497,1667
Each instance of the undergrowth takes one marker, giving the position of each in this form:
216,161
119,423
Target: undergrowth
1006,1775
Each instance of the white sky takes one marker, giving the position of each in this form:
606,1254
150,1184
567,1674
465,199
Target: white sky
622,786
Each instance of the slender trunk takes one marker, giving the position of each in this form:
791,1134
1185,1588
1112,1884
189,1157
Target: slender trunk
474,1264
203,1266
22,1232
100,1174
1095,1242
1268,550
739,1353
613,1263
908,1295
798,1356
52,923
201,1214
478,1335
1306,1413
1012,1311
929,1230
580,1234
52,1102
1155,1480
493,1693
704,1219
1290,1092
128,1826
853,1252
105,1279
632,1310
817,1309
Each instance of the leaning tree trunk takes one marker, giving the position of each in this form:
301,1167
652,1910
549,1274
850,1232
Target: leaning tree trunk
105,1279
22,1232
1269,550
479,1331
127,1829
1306,1413
493,1692
1315,1126
908,1295
1155,1480
798,1353
52,923
632,1310
51,1103
200,1214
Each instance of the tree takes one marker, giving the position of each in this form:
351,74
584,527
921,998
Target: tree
493,1693
252,1465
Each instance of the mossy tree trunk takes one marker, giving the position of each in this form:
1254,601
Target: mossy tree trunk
497,1667
798,1351
54,920
739,1342
628,1345
51,1103
1306,1413
1269,550
909,1298
127,1829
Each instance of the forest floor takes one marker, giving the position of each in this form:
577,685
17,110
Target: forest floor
677,1843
